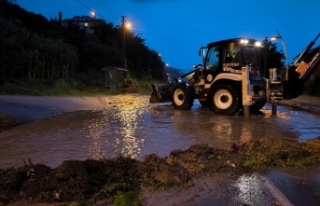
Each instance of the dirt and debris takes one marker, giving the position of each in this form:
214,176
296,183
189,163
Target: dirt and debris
90,181
8,122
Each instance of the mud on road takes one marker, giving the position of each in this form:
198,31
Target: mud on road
66,128
91,181
75,156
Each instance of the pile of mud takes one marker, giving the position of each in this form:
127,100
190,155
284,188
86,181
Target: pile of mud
91,180
7,122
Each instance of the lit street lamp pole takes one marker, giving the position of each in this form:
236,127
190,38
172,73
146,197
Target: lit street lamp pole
273,38
94,16
125,26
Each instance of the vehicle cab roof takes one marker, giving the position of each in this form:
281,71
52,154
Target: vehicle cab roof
226,41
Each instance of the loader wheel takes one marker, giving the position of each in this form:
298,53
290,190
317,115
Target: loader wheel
257,105
182,97
225,98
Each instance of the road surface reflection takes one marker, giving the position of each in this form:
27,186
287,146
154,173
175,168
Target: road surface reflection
132,127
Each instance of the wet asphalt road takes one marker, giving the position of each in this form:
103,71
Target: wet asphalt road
128,125
105,127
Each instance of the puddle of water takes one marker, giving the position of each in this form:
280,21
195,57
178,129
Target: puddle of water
132,127
251,191
305,124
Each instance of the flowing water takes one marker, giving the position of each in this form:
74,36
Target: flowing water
130,126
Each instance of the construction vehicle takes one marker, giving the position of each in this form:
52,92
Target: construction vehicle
231,79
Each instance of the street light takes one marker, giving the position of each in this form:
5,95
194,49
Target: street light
273,38
128,25
93,14
125,26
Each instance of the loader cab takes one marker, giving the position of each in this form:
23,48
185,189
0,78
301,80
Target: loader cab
229,56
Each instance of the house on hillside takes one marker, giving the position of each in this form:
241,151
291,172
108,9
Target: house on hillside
86,23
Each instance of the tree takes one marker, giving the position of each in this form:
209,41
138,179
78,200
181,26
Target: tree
25,54
33,47
270,56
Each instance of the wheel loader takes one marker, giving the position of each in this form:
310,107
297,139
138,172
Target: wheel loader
231,78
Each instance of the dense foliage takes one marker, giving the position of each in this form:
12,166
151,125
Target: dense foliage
40,53
32,47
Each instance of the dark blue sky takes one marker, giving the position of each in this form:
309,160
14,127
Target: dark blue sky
178,28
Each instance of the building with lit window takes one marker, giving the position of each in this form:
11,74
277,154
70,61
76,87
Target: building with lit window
86,23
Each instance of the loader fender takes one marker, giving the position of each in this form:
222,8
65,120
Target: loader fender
184,82
227,76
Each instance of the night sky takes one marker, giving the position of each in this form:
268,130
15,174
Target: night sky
178,28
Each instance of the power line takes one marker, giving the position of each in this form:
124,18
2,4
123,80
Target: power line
84,5
113,15
90,9
110,10
150,26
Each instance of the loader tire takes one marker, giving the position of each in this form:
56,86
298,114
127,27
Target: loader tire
225,98
182,97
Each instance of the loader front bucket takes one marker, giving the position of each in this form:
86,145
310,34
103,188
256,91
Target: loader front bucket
160,93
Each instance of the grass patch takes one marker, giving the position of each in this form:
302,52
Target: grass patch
251,162
71,87
128,198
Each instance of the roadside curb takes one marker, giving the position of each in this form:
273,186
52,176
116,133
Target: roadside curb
305,103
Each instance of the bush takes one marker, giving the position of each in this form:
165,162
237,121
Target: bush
131,85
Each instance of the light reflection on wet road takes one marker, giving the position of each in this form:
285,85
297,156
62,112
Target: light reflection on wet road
133,127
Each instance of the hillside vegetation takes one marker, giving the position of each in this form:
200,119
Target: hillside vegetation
38,55
42,57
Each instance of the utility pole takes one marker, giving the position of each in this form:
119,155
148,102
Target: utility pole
266,47
123,19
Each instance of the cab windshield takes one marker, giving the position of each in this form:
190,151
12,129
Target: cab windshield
236,57
250,58
231,57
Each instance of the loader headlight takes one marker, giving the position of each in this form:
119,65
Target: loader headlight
244,41
209,78
258,44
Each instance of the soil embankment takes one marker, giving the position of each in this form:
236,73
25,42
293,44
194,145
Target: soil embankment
91,181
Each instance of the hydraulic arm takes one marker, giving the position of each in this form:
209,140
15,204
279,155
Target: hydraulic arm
304,65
